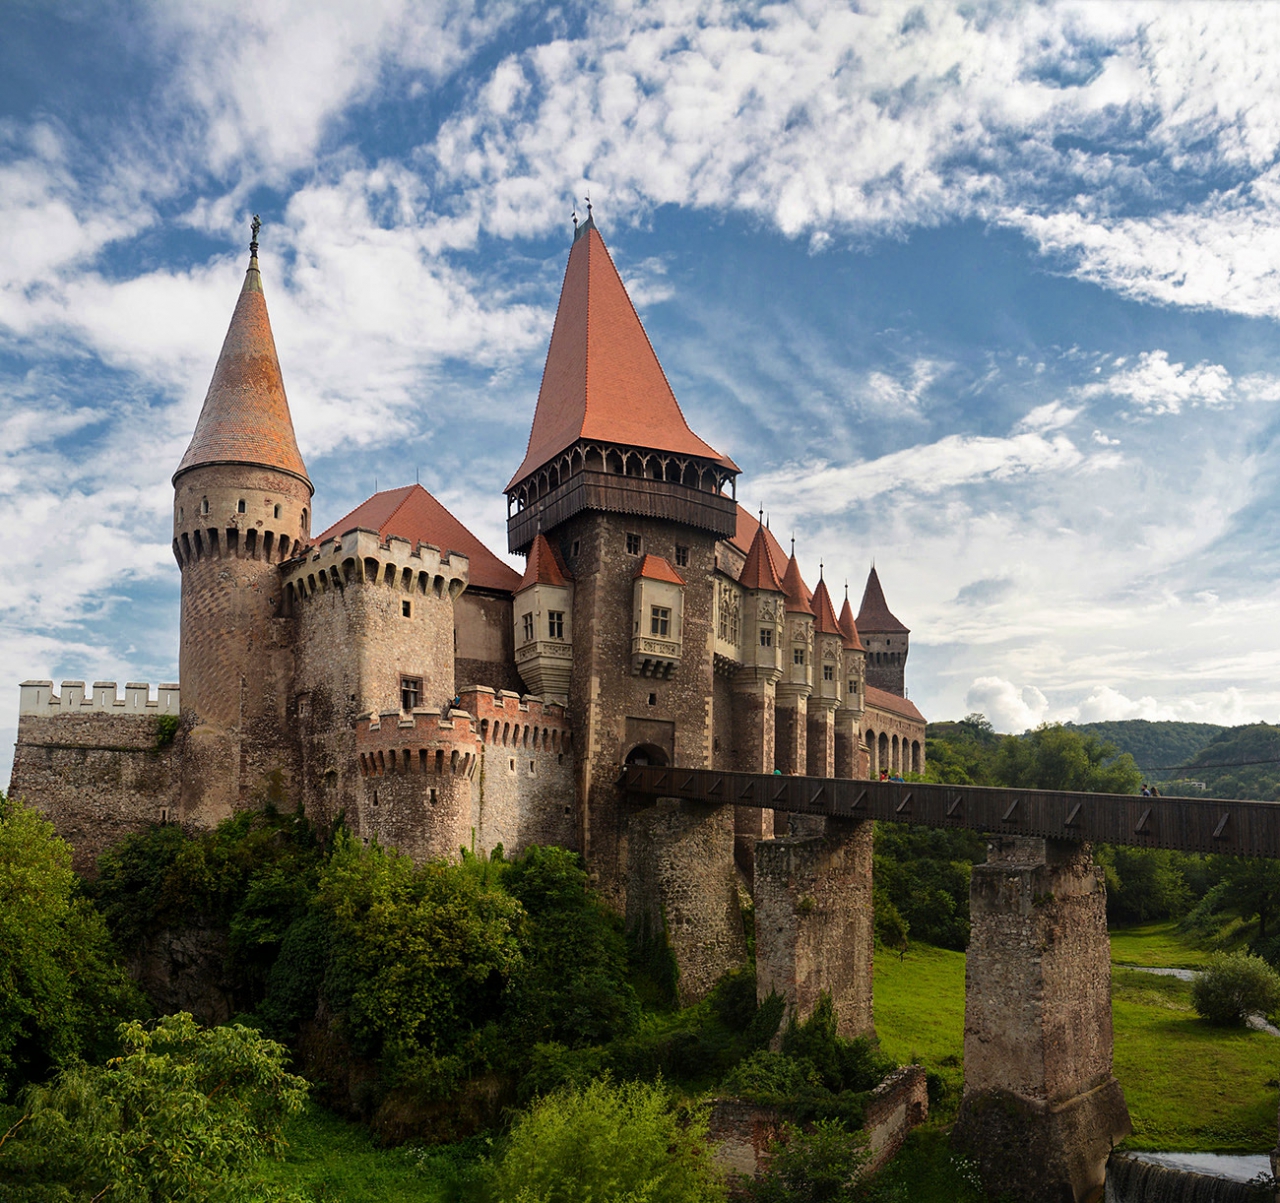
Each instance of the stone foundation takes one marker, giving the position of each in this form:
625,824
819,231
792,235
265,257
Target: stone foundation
1041,1109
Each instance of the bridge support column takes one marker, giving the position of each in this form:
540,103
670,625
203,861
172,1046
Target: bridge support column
681,884
814,923
754,733
1041,1108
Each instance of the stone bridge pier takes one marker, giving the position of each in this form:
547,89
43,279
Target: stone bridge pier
1041,1108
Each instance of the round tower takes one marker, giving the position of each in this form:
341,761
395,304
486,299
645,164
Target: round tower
242,504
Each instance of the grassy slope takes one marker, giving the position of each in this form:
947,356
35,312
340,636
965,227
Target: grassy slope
1189,1086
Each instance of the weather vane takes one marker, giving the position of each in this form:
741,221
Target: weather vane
256,226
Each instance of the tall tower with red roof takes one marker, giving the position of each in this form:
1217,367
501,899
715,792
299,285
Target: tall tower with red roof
886,640
242,502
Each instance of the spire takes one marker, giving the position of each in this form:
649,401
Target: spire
874,614
544,566
849,628
824,612
602,380
245,418
799,598
759,570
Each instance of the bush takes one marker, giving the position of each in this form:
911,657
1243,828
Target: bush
608,1143
184,1115
1233,987
818,1164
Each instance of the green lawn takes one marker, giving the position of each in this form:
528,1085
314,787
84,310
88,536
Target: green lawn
1189,1086
1160,945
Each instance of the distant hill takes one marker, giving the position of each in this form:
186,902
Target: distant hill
1158,748
1240,762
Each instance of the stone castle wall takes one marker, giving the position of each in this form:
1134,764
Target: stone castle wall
96,764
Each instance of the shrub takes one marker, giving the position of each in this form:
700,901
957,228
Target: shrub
841,1064
818,1164
608,1143
767,1076
1235,986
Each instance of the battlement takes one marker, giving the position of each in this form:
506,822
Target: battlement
38,699
360,557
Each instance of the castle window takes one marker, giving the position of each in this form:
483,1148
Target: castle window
528,628
766,636
575,548
275,512
659,620
240,507
828,672
410,692
653,699
555,624
406,608
304,522
682,557
204,505
179,515
797,655
633,544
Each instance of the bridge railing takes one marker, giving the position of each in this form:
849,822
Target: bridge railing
1229,826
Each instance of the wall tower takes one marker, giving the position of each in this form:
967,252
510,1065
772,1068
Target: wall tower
886,640
242,505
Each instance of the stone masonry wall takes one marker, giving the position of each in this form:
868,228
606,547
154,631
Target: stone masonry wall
98,776
485,641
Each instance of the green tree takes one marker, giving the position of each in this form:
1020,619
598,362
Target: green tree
1234,986
182,1116
1144,883
1058,758
61,992
608,1143
1251,886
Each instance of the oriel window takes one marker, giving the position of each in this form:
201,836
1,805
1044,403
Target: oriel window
555,624
528,628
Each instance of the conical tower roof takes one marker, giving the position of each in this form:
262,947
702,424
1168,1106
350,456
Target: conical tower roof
849,628
245,418
824,613
799,597
874,615
602,379
759,570
544,566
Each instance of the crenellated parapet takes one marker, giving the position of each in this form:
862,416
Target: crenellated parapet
37,698
505,719
422,741
359,557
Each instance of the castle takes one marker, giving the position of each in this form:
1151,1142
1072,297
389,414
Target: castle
392,671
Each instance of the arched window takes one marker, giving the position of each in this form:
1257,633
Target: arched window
240,506
304,522
204,505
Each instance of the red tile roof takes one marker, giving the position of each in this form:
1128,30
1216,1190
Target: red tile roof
799,599
874,615
602,379
544,566
412,513
882,700
655,568
824,612
245,418
745,534
759,569
849,628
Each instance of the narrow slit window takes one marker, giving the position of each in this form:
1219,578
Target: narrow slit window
406,609
240,506
275,511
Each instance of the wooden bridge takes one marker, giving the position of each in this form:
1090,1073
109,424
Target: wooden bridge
1184,824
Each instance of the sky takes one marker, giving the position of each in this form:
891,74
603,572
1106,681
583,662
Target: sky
983,294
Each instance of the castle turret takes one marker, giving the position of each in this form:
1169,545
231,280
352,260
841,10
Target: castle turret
242,503
886,640
543,613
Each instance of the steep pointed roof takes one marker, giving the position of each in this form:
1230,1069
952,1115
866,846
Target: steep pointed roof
745,533
245,418
874,614
412,513
655,568
759,569
849,628
799,598
824,613
602,379
544,566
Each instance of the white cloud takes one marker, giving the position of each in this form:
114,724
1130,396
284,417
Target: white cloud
1008,707
1052,415
890,396
1154,386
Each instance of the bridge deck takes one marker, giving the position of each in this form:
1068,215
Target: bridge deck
1185,824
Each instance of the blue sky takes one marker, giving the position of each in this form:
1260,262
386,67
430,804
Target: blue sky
986,294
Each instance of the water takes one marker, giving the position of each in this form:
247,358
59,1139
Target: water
1185,1178
1238,1166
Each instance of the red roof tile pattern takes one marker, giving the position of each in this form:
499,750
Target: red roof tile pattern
245,418
412,513
849,628
759,569
655,568
824,612
799,598
882,700
602,379
745,535
874,615
544,565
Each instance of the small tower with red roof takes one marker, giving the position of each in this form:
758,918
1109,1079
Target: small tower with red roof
242,502
851,760
797,671
543,613
828,683
886,640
